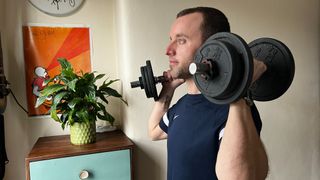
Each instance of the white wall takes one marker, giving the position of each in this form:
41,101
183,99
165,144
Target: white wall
291,130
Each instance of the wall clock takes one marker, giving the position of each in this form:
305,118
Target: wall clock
57,7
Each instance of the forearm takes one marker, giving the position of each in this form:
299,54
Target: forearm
241,154
159,109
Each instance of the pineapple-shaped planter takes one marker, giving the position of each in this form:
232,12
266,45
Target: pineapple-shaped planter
83,133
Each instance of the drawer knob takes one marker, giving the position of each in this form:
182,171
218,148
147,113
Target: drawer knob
84,174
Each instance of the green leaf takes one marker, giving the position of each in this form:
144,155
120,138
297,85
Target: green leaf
70,117
83,115
57,98
106,117
64,117
40,100
89,78
66,73
110,91
64,63
49,90
63,125
102,97
46,81
99,76
53,113
110,82
124,101
74,102
72,84
101,106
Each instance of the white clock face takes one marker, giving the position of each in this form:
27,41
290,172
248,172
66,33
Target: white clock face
57,7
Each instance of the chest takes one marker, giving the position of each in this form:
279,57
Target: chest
196,125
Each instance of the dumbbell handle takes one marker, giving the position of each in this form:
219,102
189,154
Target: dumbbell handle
135,84
203,68
207,69
157,79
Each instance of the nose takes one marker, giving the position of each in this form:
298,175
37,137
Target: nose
171,49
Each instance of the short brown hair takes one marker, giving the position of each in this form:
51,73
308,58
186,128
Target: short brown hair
213,20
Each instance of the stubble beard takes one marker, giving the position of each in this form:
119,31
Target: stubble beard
180,73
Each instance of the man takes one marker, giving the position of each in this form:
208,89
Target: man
205,140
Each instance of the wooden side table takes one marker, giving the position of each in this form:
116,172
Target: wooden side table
54,157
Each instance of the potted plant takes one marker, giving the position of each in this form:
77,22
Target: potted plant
79,101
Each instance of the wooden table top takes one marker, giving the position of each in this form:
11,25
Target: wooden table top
60,146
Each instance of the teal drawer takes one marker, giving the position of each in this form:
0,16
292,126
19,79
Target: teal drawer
114,165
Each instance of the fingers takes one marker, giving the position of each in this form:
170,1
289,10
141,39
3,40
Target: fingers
167,75
258,69
170,81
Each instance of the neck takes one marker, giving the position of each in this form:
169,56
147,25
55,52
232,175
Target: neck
191,87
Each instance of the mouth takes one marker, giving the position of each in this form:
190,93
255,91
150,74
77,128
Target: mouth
173,62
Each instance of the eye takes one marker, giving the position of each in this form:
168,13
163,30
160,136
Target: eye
181,41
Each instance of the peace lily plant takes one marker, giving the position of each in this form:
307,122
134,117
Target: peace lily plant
78,99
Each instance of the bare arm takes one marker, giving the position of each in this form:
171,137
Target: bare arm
242,155
161,107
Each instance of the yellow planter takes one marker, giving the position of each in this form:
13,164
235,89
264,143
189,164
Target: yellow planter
83,133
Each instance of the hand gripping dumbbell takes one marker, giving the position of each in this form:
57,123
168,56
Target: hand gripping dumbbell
223,68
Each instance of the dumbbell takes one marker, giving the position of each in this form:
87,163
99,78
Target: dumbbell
148,81
280,69
223,68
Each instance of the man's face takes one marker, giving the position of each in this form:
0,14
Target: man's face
185,39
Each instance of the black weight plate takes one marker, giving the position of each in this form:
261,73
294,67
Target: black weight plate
245,63
144,81
151,81
280,69
148,83
221,54
245,60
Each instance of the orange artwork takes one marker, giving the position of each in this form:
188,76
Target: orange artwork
42,47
